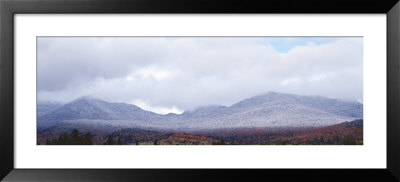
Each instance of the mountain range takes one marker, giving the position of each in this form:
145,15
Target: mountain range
267,110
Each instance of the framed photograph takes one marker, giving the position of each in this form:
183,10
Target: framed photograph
130,90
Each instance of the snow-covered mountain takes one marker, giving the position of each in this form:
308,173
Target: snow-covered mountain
90,108
333,106
268,110
43,108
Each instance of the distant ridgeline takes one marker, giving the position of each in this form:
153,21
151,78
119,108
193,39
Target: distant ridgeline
272,118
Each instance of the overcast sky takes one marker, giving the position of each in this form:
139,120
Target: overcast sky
173,74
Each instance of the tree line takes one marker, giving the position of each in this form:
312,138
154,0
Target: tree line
75,138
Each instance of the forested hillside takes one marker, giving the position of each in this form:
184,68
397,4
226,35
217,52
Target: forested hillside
347,133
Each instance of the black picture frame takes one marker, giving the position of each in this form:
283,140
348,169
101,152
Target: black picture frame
8,8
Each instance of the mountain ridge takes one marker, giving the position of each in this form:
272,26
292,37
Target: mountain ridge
271,109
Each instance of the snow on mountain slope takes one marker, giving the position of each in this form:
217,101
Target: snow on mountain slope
43,108
95,109
268,110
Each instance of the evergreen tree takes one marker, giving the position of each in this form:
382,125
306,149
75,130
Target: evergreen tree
321,141
155,142
336,140
315,141
63,140
75,139
222,142
119,141
88,139
349,141
60,140
110,140
66,139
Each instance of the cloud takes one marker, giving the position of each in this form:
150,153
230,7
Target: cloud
156,109
290,81
183,73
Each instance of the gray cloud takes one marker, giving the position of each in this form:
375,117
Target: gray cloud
171,74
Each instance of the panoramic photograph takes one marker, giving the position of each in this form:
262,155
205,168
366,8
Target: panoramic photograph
199,91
